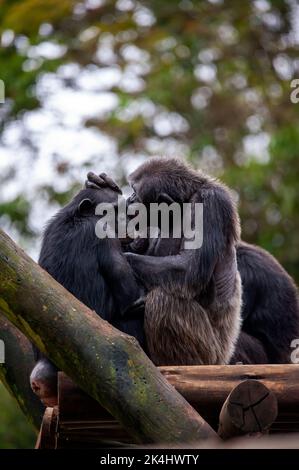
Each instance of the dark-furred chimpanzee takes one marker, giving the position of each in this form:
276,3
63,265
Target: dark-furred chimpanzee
270,309
94,270
193,305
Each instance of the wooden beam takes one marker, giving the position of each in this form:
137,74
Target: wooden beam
250,408
107,364
212,384
207,387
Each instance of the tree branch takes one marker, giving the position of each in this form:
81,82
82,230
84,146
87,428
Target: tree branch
109,365
15,371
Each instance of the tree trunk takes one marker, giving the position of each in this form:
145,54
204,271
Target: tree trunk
15,371
109,365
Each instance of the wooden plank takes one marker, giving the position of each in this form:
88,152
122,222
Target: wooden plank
47,438
82,419
205,387
212,384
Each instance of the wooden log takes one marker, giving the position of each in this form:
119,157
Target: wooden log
109,365
207,387
15,371
212,384
250,408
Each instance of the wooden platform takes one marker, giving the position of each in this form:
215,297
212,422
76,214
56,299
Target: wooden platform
80,422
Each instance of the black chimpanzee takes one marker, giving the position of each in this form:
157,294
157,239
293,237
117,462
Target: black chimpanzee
270,308
94,270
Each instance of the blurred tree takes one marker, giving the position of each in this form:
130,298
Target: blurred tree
206,80
15,432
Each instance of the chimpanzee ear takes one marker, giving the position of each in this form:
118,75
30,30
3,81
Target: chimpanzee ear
163,197
85,207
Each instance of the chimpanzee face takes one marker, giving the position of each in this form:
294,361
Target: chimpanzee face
163,180
150,190
144,190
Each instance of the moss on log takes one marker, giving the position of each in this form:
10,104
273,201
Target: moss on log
15,371
109,365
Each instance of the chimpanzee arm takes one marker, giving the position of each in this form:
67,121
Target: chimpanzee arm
118,274
195,266
152,271
220,231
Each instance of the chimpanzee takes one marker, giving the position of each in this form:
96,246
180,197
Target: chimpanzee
183,324
94,270
270,309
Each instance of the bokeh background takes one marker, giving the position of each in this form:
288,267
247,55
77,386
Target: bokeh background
102,85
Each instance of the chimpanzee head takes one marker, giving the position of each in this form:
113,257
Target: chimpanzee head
163,180
85,202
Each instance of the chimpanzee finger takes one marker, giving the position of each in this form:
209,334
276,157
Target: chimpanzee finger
110,182
93,178
89,185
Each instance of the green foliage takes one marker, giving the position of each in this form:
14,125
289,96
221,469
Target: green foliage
25,17
15,431
18,210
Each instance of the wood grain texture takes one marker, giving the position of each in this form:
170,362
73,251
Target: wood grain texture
107,364
250,408
207,387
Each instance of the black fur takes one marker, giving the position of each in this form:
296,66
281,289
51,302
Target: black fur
94,270
193,309
270,308
220,230
181,184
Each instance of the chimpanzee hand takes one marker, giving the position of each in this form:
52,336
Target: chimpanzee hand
144,246
101,181
138,245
